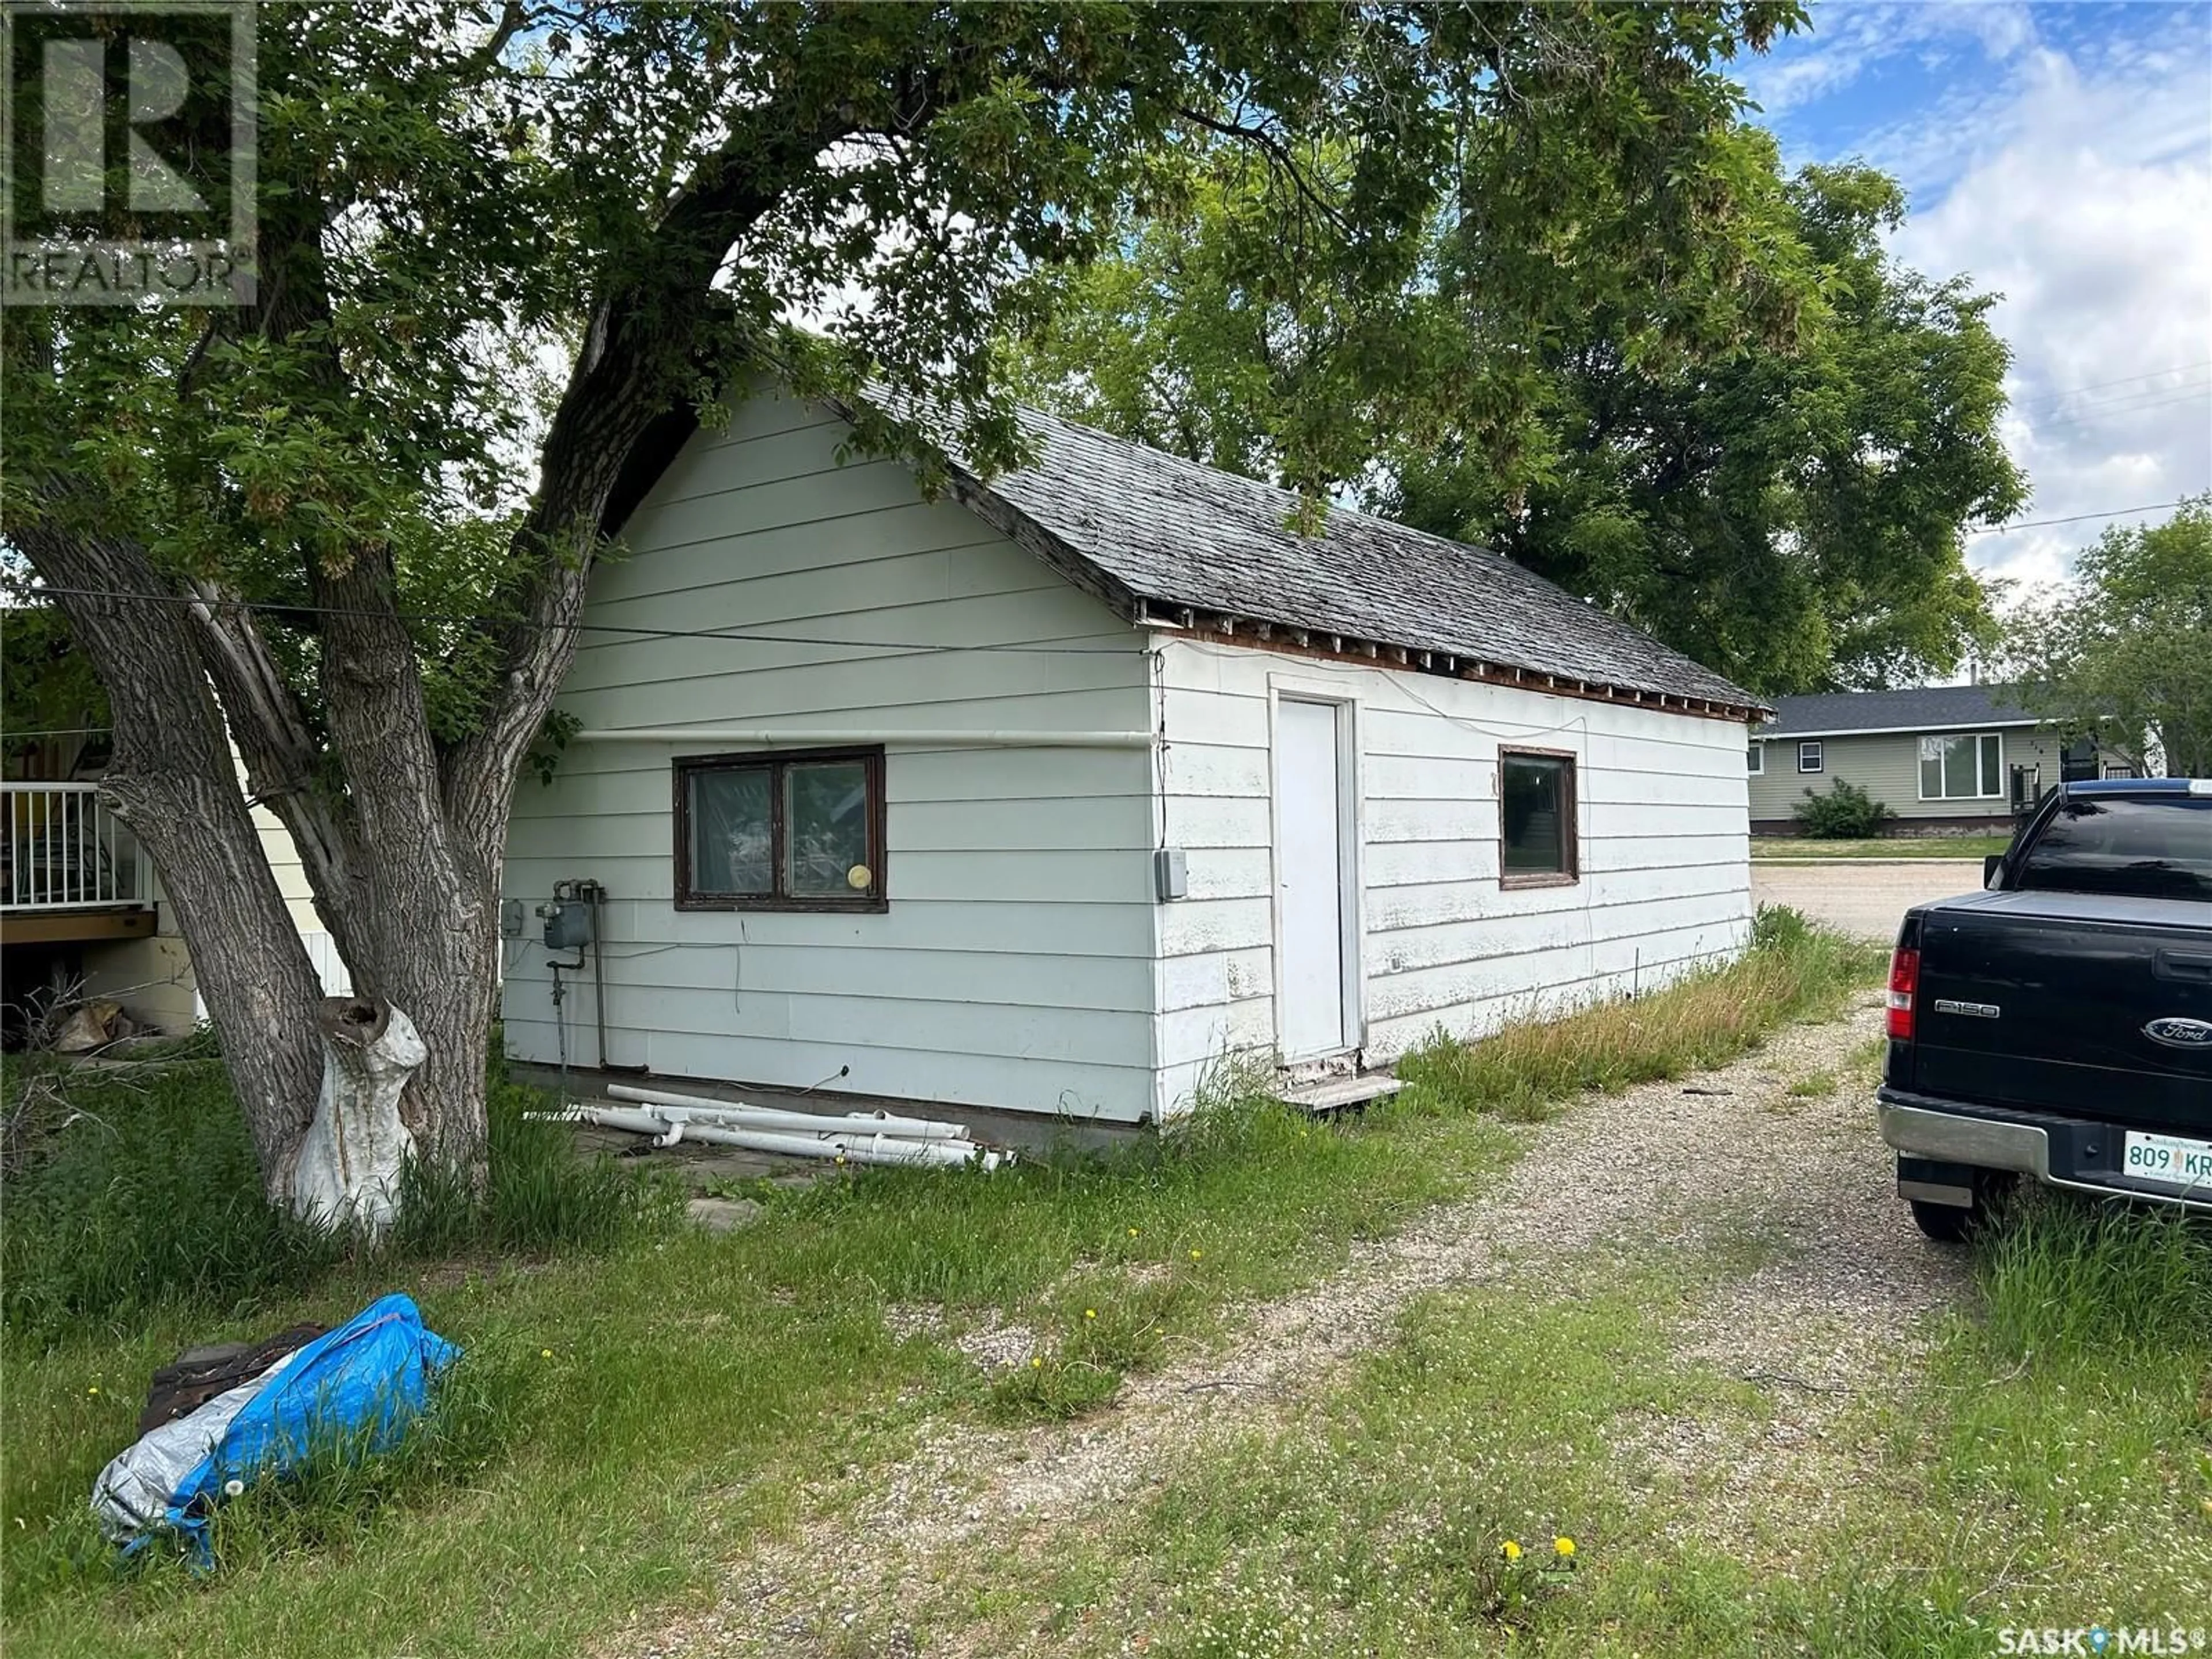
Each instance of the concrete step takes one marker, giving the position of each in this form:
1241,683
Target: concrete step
1327,1095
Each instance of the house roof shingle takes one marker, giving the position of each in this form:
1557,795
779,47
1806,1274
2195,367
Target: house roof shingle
1171,533
1929,708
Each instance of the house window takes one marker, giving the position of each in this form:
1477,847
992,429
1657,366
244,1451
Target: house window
1963,766
1536,810
1811,757
796,831
1757,761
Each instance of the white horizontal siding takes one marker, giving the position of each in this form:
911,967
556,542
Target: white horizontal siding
1014,968
1664,877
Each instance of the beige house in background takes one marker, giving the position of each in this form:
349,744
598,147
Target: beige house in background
1942,757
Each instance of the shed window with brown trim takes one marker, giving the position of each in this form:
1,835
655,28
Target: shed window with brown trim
1536,810
802,831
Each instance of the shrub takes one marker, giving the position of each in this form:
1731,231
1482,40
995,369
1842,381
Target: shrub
1846,813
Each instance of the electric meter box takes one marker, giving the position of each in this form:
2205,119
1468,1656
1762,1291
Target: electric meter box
568,924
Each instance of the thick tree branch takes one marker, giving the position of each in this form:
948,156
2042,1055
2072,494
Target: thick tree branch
277,744
638,349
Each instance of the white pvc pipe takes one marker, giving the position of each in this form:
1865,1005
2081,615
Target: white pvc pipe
852,1148
741,1115
770,736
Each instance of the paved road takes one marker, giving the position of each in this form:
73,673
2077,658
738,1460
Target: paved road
1863,895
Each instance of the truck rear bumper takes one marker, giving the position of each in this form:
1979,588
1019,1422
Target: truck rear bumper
1926,1129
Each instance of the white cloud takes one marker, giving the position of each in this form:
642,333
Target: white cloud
1847,40
2086,199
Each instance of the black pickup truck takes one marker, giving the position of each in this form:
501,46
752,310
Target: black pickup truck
2059,1023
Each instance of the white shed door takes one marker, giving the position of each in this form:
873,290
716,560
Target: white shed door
1312,1018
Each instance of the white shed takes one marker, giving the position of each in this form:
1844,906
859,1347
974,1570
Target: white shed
1041,796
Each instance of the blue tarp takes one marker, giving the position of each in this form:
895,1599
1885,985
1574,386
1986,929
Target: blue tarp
356,1386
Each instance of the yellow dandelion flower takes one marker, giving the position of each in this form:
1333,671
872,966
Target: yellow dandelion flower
1037,1365
94,1388
1194,1255
1133,1232
1564,1546
1510,1550
1090,1313
545,1353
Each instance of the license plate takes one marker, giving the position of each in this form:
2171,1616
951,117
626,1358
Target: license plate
2171,1159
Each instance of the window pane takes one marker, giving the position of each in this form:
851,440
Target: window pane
1931,777
730,831
1958,768
1535,803
1756,760
1810,756
1992,765
826,827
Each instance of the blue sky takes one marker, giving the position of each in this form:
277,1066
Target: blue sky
2061,155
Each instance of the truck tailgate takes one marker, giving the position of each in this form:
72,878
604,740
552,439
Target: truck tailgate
2054,1000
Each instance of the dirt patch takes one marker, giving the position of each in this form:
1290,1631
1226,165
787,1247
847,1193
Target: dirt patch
994,1344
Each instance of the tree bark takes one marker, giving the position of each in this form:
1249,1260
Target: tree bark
174,781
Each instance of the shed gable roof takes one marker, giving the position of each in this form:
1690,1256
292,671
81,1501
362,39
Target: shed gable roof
1162,534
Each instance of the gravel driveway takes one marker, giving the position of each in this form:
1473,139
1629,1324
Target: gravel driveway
1832,1315
1865,897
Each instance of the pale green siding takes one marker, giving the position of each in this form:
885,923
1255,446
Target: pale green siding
1013,967
1887,766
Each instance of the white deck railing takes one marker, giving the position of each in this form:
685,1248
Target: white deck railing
62,848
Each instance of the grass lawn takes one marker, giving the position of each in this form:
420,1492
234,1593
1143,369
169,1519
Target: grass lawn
2050,1465
640,1401
1880,847
629,1411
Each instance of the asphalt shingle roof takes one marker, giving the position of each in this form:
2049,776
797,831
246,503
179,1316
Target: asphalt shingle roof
1929,709
1174,532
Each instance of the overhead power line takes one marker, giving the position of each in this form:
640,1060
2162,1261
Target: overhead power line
737,634
2045,400
2077,518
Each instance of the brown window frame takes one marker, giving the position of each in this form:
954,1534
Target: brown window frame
775,763
1570,840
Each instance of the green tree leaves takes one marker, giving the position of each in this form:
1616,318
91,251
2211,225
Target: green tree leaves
1622,349
2124,651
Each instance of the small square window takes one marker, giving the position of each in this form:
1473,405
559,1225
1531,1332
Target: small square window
1536,814
801,831
1811,757
1756,763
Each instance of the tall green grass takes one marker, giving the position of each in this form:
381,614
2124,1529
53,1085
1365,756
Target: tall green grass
2068,1279
140,1190
1528,1069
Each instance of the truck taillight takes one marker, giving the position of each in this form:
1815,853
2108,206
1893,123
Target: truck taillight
1904,981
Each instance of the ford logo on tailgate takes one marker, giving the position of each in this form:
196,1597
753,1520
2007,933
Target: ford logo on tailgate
2177,1032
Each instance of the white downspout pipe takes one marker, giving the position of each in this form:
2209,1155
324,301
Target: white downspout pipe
742,1115
852,1148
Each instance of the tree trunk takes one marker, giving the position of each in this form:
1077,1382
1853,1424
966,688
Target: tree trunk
248,960
174,782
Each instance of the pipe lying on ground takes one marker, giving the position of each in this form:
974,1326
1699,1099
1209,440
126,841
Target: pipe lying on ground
738,1115
854,1146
